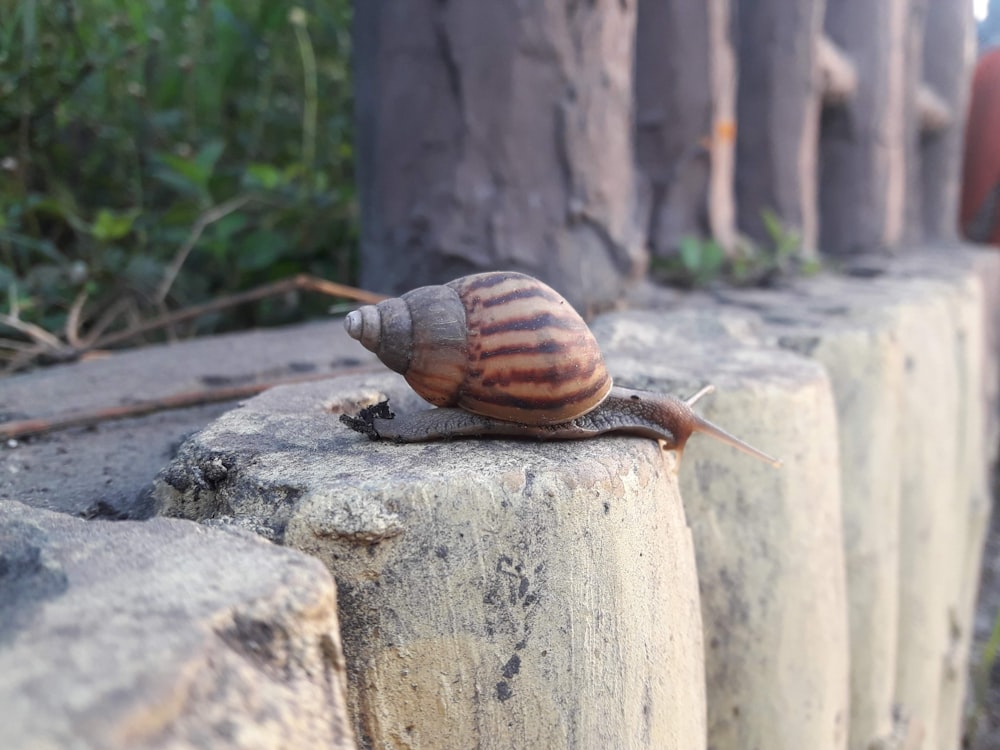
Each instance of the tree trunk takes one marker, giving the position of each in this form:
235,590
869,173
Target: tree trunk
497,136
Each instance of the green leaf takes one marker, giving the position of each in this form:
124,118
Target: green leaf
7,279
208,156
772,225
183,175
110,225
43,247
260,250
227,226
265,176
712,257
690,250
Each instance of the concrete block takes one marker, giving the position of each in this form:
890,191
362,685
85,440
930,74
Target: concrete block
768,542
851,329
121,457
494,593
908,351
952,524
163,634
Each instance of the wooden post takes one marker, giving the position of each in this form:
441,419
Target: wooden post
863,152
497,135
685,101
777,112
947,63
913,53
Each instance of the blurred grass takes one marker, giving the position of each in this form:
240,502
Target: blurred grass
210,139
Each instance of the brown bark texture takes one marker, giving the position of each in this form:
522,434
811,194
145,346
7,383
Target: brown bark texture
497,136
778,114
863,142
684,92
946,70
913,52
947,65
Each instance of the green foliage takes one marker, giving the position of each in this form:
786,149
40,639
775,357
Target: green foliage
700,262
210,137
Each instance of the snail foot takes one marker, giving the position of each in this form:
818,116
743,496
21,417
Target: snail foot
364,422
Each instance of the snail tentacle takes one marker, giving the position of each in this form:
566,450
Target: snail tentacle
676,417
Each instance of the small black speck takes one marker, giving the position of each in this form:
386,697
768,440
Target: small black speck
503,691
607,508
635,398
530,599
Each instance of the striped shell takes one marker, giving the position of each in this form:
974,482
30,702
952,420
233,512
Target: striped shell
499,344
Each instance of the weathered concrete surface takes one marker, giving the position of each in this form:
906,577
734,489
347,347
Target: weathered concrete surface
849,327
105,471
768,543
163,634
947,527
493,593
909,346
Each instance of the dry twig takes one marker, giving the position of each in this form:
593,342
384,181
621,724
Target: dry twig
85,418
46,344
300,282
201,223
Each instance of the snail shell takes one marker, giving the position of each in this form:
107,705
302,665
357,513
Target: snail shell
499,344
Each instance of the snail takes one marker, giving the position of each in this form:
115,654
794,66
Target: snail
503,354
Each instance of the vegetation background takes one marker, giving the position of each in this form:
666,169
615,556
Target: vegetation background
156,154
159,153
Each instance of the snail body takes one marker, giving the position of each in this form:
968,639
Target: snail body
504,354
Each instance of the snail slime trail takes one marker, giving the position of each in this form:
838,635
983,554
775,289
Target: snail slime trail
502,354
